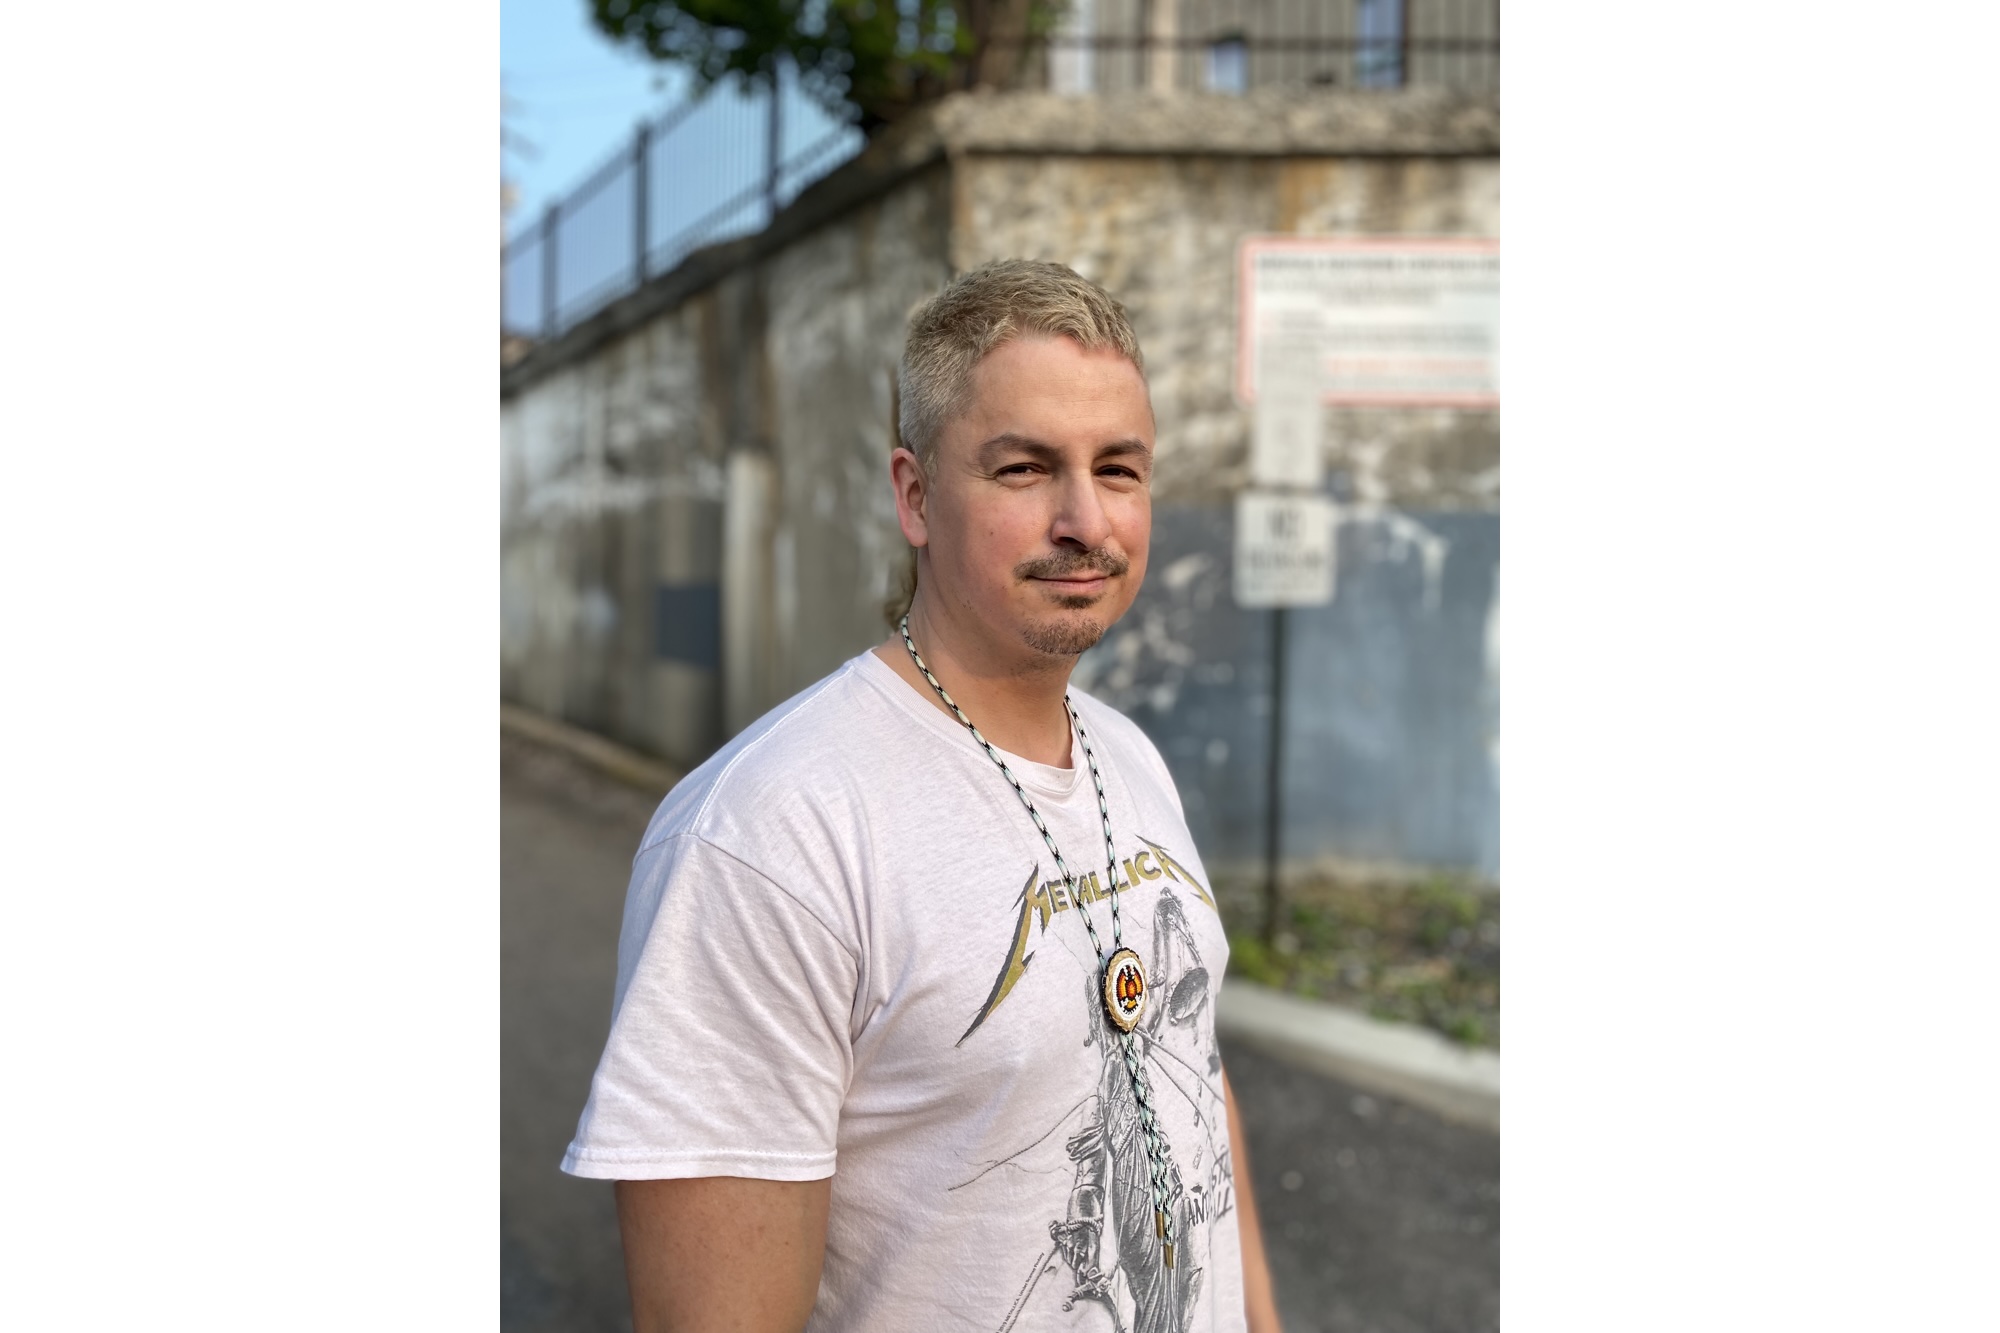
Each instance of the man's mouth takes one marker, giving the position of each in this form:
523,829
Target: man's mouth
1079,575
1079,585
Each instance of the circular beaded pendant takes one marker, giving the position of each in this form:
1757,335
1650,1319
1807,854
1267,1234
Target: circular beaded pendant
1124,989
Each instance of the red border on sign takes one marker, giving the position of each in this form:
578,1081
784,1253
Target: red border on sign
1251,245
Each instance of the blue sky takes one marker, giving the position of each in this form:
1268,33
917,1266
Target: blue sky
575,97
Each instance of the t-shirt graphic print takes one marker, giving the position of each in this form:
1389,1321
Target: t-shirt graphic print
1105,1248
847,952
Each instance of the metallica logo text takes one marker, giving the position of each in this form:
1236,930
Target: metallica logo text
1039,902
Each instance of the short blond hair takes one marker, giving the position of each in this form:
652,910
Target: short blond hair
981,309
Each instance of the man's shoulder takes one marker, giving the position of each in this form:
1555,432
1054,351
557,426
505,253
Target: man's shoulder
1120,734
1108,721
792,757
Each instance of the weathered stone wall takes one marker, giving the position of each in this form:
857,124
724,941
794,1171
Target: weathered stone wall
1161,232
727,430
1391,711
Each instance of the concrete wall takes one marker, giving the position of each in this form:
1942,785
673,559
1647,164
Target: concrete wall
673,502
611,488
728,429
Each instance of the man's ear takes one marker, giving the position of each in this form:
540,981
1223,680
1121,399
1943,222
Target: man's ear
912,496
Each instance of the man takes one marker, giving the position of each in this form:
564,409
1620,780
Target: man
914,1018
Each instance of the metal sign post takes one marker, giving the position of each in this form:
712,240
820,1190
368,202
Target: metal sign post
1274,782
1284,537
1284,558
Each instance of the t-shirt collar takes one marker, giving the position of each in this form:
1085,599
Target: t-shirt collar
1044,779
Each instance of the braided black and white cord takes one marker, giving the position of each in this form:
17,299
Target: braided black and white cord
1165,1187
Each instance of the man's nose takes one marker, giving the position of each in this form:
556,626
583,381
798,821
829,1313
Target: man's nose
1080,515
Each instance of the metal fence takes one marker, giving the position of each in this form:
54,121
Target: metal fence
722,166
1236,46
708,171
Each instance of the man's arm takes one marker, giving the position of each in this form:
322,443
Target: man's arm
722,1254
1260,1307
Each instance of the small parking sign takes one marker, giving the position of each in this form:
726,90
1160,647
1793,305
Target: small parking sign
1284,549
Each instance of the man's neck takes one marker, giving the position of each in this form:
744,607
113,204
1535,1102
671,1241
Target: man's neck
1012,694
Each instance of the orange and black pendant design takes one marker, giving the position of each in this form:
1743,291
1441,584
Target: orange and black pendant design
1124,989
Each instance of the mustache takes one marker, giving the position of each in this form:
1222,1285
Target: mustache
1068,564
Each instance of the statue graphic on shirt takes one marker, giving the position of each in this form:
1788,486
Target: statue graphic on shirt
1113,1186
1103,1243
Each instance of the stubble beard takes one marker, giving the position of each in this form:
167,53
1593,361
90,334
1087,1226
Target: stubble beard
1066,637
1070,635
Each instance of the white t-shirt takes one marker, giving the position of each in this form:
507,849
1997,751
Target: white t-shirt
847,952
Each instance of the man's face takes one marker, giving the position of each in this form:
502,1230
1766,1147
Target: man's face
1037,519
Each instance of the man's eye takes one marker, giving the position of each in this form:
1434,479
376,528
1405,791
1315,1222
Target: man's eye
1017,469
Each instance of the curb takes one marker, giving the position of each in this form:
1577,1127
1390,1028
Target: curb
606,756
1394,1059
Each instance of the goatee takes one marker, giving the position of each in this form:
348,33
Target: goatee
1070,636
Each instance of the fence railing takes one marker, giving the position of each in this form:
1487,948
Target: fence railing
721,167
708,171
1236,46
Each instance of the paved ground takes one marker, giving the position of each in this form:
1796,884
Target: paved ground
566,844
1380,1217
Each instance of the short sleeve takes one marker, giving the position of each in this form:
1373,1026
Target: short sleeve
729,1052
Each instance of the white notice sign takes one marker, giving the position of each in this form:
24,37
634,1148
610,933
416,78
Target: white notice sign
1399,321
1285,446
1284,550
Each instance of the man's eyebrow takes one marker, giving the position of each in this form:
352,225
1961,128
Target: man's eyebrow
990,451
1122,448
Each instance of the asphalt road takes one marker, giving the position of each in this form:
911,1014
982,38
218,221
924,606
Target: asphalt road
1380,1218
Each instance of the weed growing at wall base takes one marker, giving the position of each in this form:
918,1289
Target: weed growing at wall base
1426,953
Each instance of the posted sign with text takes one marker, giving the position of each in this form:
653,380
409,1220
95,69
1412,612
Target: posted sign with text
1395,321
1284,549
1285,434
